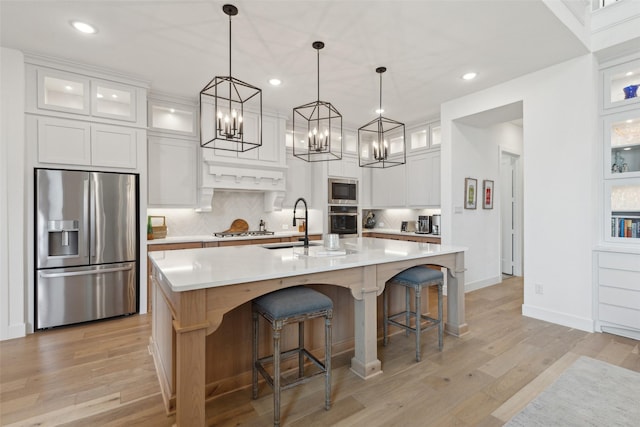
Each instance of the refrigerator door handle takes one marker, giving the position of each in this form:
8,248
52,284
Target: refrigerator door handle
84,273
85,222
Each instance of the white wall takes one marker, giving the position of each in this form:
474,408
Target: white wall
12,239
559,174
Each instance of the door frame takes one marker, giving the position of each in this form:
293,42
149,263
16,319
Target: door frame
518,232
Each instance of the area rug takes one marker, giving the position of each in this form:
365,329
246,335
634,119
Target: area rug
589,393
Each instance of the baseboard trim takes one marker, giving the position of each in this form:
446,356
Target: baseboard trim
564,319
14,331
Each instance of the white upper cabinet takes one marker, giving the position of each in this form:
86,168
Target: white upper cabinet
172,172
423,137
61,141
75,142
112,100
59,90
65,92
423,180
621,85
172,115
388,187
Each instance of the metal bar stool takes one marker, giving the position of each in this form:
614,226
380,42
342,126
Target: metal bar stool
415,278
280,308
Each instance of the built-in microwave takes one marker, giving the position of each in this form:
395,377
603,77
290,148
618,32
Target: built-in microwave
343,191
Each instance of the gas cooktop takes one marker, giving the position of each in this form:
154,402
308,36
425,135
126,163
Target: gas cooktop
243,233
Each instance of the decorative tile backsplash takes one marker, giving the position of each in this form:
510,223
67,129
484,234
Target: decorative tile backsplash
228,206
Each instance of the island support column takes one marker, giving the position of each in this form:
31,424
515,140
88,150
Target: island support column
365,363
191,333
456,323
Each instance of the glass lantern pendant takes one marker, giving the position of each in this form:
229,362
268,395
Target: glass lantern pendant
317,127
226,105
381,142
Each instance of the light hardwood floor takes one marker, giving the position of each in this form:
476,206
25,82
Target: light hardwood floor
102,375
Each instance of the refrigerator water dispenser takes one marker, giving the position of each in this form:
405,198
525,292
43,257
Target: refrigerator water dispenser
63,237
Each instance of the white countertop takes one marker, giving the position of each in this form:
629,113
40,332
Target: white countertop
191,269
212,238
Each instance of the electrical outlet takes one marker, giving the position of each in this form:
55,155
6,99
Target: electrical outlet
539,289
285,226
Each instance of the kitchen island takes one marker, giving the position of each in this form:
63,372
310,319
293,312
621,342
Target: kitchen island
193,289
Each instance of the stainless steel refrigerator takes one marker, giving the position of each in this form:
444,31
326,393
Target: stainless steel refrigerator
86,230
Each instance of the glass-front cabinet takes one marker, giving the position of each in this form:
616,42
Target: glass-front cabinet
621,137
112,100
63,92
623,203
622,149
621,84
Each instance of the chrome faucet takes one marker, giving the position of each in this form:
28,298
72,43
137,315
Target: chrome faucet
306,220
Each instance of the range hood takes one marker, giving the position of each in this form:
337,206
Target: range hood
222,175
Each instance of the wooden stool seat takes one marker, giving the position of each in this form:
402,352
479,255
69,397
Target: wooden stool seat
415,278
279,308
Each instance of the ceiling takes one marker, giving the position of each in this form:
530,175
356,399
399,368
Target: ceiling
179,46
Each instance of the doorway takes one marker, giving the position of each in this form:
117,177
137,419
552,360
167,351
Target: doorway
510,214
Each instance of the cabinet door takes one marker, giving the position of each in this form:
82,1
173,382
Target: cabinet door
113,101
433,198
172,177
622,145
63,141
388,189
172,117
620,85
61,91
113,146
298,180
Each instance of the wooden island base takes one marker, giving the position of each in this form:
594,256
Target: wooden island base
201,338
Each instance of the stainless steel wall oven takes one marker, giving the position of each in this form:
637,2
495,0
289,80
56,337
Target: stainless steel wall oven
343,220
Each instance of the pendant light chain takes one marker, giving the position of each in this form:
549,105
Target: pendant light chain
380,110
236,97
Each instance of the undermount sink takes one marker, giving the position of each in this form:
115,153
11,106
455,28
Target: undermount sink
286,245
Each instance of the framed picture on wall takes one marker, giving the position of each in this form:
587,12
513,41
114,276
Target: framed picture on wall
487,194
470,193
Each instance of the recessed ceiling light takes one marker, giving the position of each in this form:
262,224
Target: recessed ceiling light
275,82
626,148
67,87
114,96
99,95
469,76
630,73
629,121
83,27
379,110
172,110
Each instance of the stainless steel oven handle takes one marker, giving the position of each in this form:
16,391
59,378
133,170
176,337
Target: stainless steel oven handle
84,273
342,214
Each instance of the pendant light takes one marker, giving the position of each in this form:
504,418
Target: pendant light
230,109
317,127
381,142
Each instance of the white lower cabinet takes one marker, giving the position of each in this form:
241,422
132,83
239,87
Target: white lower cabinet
172,172
423,180
618,293
72,142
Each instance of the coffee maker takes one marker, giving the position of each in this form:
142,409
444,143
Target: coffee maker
424,224
435,225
